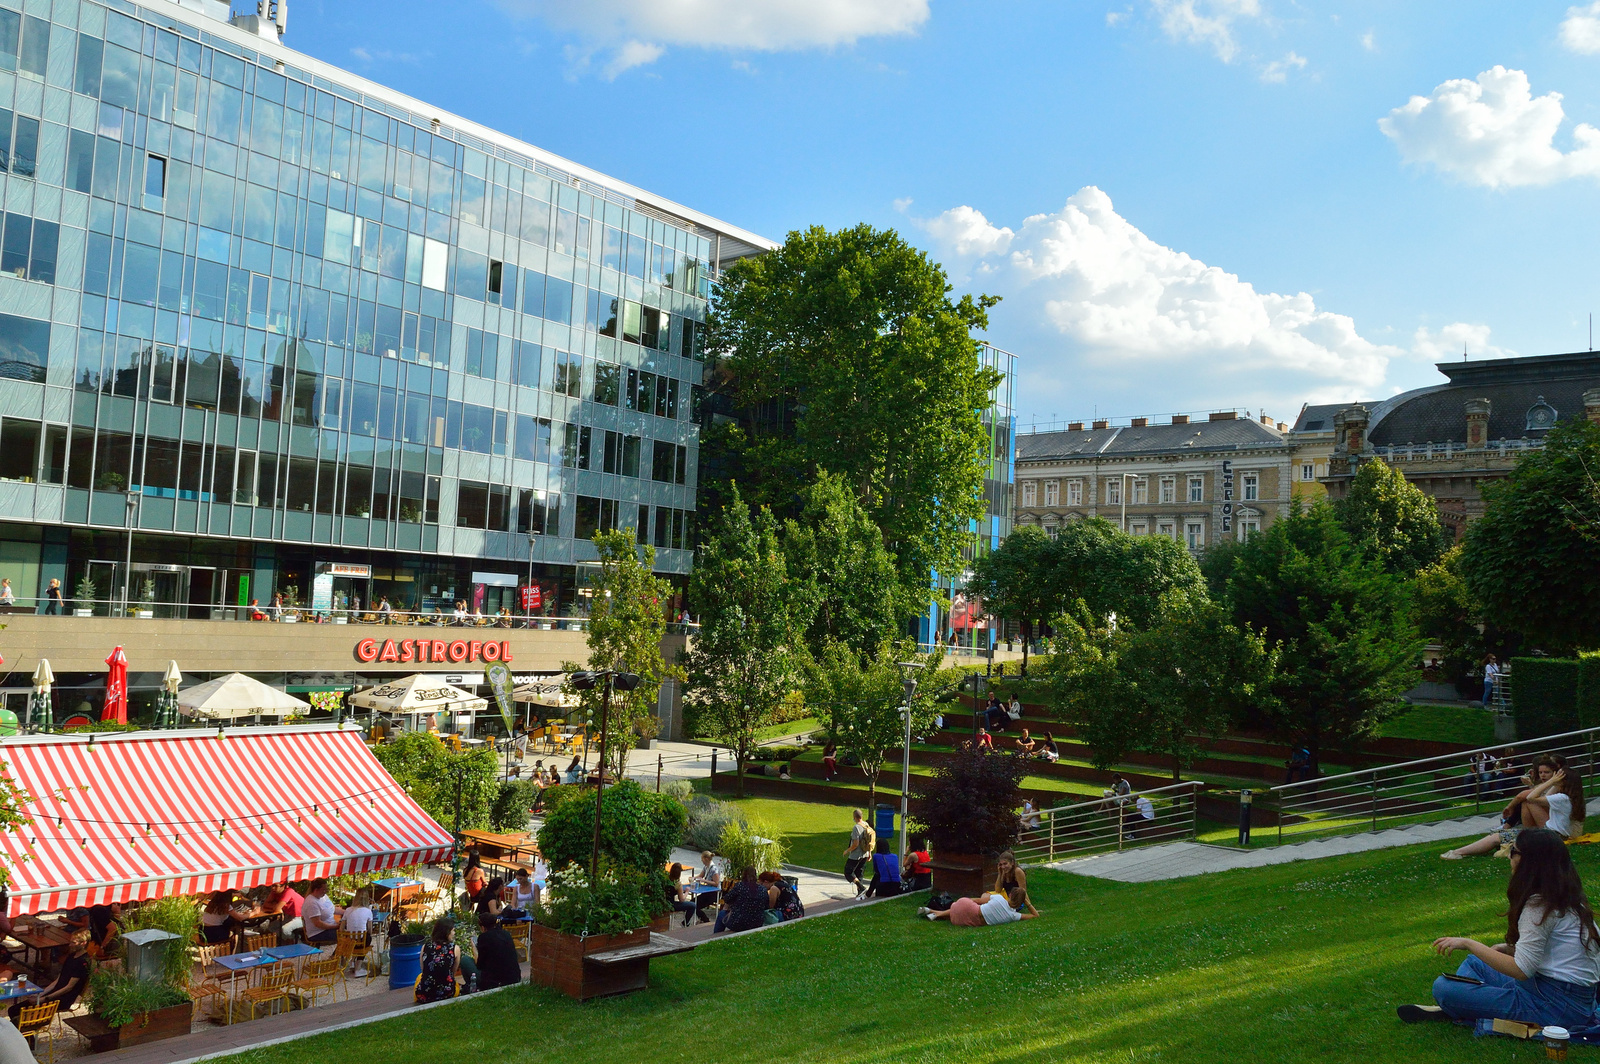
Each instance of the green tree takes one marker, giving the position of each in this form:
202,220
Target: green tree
627,620
1112,572
847,354
638,829
1343,627
1449,615
859,706
1014,581
844,580
1533,558
745,657
1194,673
438,777
1391,519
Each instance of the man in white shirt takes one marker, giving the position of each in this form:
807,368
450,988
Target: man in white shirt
321,916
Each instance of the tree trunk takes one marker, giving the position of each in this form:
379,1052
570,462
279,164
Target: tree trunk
739,771
1177,769
1027,637
872,791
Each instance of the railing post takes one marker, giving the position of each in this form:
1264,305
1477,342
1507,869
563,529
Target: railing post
1051,844
1244,816
1374,801
1283,805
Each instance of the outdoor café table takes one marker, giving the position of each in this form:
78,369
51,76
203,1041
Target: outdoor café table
291,953
399,887
491,844
12,989
41,937
240,962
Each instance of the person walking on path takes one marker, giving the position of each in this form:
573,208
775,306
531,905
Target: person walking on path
8,598
1491,678
52,598
859,852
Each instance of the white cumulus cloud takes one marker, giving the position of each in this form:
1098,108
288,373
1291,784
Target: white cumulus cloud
1207,22
628,29
1580,30
1492,131
1100,310
1277,71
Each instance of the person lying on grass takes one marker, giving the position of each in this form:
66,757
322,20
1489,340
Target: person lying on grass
1555,801
1546,970
986,909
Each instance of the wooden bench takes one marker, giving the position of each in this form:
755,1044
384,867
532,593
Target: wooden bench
102,1037
659,946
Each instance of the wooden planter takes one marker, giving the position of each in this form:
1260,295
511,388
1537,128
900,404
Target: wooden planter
169,1022
557,959
966,875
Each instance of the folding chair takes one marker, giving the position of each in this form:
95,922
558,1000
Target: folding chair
271,987
36,1020
520,933
317,976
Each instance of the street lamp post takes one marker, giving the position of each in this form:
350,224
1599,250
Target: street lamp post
587,681
908,670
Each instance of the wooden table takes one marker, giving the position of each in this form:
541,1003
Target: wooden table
41,937
491,844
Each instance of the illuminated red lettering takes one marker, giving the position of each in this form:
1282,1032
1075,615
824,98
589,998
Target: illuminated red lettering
408,649
367,650
438,650
505,651
388,653
474,649
458,651
491,652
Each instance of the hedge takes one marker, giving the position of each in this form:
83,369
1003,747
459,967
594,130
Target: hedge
1589,689
1544,696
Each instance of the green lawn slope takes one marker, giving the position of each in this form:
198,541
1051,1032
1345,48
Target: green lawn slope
1301,962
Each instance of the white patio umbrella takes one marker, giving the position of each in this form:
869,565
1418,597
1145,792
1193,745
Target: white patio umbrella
416,695
237,695
546,691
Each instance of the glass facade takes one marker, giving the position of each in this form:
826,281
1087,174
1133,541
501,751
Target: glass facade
275,324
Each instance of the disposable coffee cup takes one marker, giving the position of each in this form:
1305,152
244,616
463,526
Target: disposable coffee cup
1555,1042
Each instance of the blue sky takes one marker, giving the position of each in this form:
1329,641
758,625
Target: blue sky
1186,204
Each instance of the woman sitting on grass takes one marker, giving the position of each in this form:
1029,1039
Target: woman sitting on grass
985,910
1546,970
1555,801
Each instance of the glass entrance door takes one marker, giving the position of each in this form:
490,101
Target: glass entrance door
202,592
107,577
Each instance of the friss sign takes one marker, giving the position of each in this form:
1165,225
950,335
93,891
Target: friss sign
435,650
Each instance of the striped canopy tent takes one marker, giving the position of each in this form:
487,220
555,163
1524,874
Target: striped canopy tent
135,815
418,694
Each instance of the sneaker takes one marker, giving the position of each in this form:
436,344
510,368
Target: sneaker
1450,855
932,917
860,892
1420,1013
924,911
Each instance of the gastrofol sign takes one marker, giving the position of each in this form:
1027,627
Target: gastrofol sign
454,651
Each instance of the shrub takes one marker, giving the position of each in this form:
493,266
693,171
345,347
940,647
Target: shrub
1589,689
616,903
778,753
969,804
707,817
751,844
177,916
638,830
1544,696
430,771
117,997
511,805
554,796
682,790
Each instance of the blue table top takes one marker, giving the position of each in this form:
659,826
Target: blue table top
238,962
290,952
701,888
395,884
23,989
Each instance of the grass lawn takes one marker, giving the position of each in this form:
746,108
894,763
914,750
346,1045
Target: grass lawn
1448,724
1301,962
793,727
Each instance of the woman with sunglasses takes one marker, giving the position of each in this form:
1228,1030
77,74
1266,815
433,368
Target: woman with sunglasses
1546,970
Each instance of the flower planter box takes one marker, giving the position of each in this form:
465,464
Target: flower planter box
556,959
144,615
170,1022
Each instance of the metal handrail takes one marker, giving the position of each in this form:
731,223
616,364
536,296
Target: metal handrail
1444,787
1108,824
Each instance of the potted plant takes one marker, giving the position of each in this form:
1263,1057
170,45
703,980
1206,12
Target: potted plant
153,1002
147,600
83,595
291,604
968,810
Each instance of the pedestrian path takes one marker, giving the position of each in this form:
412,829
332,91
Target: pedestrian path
1177,860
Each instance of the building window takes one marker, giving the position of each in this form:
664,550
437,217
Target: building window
1141,490
1197,489
1074,493
1139,528
1168,529
1308,471
1169,489
1252,487
1030,493
155,177
1114,491
1052,492
1248,528
1195,534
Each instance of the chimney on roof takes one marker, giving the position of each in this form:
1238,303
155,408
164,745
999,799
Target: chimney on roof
1591,405
1140,422
1102,424
1180,419
1477,423
1265,420
1075,426
1282,427
1224,415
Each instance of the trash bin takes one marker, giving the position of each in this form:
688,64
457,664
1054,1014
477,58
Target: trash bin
883,821
405,960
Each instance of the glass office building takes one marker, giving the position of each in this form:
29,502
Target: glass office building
263,321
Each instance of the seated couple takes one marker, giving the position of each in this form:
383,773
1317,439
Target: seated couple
1554,802
1545,971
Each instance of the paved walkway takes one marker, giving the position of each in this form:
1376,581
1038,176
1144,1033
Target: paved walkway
1176,860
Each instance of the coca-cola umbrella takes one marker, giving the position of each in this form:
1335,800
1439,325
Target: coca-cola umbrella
116,688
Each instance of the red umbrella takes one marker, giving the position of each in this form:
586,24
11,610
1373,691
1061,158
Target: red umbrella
116,688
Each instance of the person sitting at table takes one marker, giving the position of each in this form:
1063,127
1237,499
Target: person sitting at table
678,896
473,880
488,902
217,922
497,955
70,981
744,905
105,924
441,963
525,894
357,920
283,901
574,773
320,915
709,878
541,874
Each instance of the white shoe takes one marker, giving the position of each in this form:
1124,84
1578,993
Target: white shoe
924,911
932,917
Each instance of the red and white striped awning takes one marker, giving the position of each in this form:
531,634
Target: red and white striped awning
132,815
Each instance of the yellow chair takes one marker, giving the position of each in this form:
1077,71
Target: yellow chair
272,986
202,987
36,1020
353,946
317,976
257,943
520,933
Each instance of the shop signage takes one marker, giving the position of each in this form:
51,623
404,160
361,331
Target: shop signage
532,598
1227,495
436,650
363,572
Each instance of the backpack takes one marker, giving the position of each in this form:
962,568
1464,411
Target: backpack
941,902
789,906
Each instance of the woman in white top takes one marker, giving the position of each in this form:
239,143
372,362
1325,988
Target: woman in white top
1546,970
986,910
1554,801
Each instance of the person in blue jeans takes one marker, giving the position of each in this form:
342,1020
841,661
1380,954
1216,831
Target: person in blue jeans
1546,970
